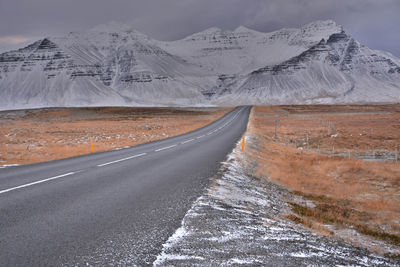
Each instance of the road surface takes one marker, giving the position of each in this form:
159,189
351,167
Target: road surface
115,207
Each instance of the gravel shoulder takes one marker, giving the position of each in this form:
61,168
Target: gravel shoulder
242,221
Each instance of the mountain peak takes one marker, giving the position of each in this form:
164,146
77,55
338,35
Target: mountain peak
112,27
114,64
242,28
323,25
318,30
211,30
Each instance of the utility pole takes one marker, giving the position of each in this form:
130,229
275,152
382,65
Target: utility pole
329,127
276,125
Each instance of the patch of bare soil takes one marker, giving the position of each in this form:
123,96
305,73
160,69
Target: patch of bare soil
337,193
30,136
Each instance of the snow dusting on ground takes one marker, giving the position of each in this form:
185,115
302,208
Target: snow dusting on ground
240,221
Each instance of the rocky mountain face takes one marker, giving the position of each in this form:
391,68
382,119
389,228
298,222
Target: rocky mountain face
336,70
115,65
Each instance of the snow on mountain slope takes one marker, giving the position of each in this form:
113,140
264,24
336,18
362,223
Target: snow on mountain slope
40,75
113,64
107,65
336,70
244,50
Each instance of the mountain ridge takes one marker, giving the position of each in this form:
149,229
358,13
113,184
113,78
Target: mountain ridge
114,64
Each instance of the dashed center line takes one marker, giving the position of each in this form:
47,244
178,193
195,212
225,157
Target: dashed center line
37,182
119,160
187,141
167,147
115,161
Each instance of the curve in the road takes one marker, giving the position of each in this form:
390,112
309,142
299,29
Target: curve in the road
111,207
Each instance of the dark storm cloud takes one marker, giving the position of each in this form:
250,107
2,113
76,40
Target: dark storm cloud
373,22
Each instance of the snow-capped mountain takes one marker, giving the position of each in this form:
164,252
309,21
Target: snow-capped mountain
115,65
244,50
336,70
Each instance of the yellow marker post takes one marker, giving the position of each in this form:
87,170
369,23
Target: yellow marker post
91,146
185,129
243,143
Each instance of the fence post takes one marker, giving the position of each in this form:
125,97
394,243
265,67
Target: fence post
91,146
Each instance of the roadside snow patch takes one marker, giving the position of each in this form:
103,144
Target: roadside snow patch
240,221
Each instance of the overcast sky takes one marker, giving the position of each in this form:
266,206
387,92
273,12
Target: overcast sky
376,23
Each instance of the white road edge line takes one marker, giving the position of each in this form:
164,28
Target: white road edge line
119,160
37,182
104,164
164,148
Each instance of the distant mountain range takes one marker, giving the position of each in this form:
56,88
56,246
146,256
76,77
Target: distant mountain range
115,65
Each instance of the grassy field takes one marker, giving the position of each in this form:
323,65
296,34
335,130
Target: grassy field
29,136
314,151
316,154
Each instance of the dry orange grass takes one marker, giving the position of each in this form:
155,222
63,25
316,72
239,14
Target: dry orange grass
345,191
357,127
47,134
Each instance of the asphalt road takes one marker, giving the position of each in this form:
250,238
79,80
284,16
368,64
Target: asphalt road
110,208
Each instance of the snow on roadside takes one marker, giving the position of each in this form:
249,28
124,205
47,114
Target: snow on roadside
239,221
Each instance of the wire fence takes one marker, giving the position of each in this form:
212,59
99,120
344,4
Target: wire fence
309,141
306,144
366,155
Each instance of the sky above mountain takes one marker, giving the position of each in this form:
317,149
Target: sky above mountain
373,22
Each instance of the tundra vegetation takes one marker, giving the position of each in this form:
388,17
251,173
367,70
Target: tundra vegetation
30,136
342,164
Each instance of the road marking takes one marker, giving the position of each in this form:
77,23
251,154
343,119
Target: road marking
37,182
119,160
187,141
104,164
164,148
223,126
